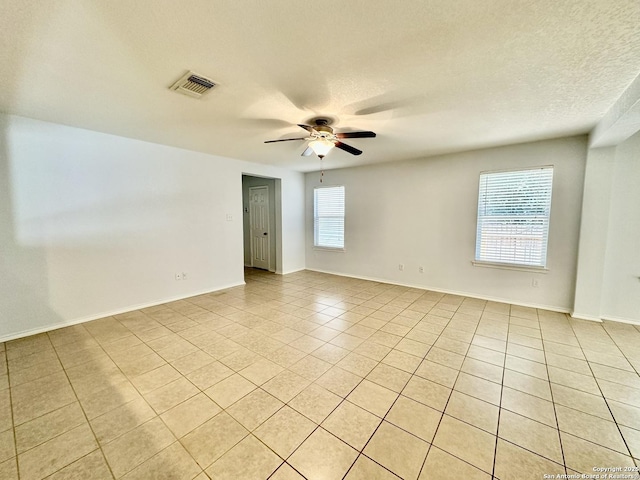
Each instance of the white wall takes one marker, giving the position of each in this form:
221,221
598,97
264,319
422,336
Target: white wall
424,213
621,285
92,224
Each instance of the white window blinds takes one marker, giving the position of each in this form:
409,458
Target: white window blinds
328,217
513,216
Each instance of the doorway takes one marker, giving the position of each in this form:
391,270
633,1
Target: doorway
261,225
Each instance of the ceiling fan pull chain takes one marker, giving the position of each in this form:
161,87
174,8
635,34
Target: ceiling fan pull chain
321,169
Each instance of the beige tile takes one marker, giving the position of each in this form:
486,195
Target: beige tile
249,460
367,469
286,385
189,414
373,397
389,377
484,370
9,469
286,472
490,343
590,428
7,445
164,398
427,392
192,362
528,367
331,353
446,358
173,462
615,375
213,438
131,449
46,427
6,418
109,398
415,418
515,463
617,392
315,402
468,443
437,373
351,424
255,408
581,455
625,414
357,364
310,367
230,390
209,375
632,438
89,467
473,411
156,378
568,363
122,419
585,383
261,371
486,355
578,400
38,397
397,450
56,453
339,381
28,374
413,347
285,431
402,360
479,388
323,456
528,353
529,406
440,465
529,434
527,384
285,356
373,350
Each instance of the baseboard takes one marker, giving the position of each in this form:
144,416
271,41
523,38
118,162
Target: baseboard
293,271
584,316
89,318
621,320
552,308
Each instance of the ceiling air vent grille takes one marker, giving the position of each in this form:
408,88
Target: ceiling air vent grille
193,85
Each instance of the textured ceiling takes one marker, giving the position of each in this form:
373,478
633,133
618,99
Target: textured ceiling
428,76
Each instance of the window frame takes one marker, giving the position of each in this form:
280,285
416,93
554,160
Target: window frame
329,248
547,197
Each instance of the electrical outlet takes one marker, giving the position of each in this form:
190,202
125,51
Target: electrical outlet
178,276
401,267
535,283
229,217
421,269
184,276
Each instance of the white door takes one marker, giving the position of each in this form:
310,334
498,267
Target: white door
259,225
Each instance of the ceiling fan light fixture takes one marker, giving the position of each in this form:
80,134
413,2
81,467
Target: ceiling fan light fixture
321,146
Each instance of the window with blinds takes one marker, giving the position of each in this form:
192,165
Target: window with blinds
328,217
513,217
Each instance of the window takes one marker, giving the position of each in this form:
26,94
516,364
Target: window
328,217
513,217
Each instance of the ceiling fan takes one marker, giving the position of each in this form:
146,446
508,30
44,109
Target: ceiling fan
323,138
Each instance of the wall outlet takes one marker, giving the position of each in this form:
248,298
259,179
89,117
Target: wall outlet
535,283
421,269
229,217
401,267
184,276
178,276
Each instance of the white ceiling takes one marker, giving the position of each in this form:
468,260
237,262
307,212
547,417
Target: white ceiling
427,76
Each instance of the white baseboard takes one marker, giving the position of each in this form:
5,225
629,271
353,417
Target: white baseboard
293,271
130,308
621,320
552,308
584,316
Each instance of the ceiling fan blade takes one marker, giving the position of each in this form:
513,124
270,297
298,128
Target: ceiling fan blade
308,151
348,148
286,140
308,128
365,134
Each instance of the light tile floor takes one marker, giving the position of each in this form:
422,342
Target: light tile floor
321,377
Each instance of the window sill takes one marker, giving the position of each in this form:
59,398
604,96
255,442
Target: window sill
509,266
328,249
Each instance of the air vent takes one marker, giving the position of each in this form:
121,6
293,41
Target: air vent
193,85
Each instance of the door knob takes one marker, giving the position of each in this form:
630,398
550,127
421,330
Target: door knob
265,233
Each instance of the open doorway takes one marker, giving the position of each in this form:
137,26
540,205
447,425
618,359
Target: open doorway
261,222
